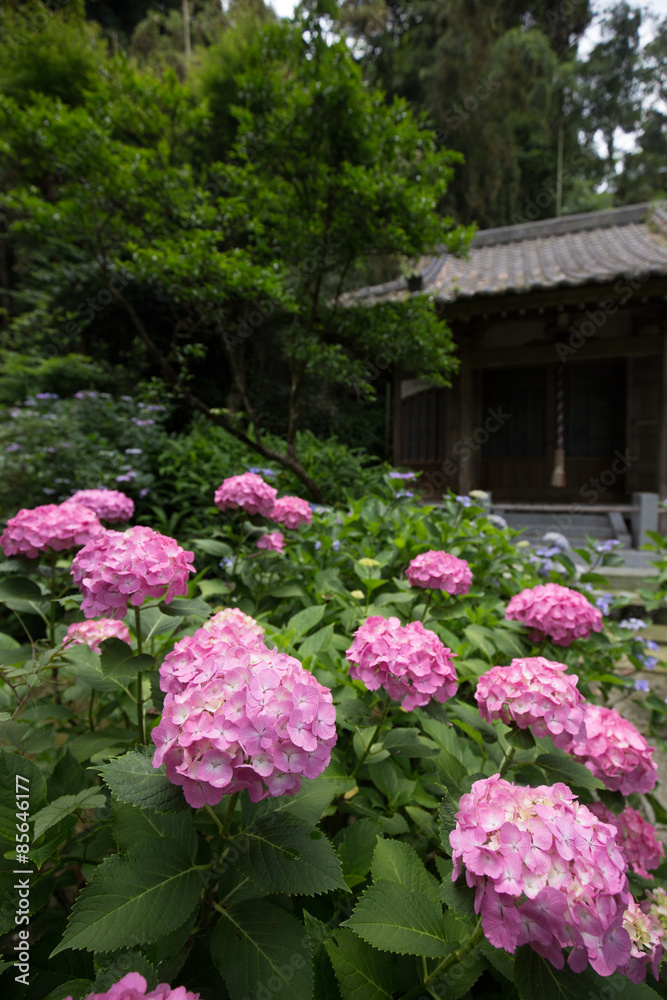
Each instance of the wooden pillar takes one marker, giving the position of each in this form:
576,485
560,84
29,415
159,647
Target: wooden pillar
662,453
465,418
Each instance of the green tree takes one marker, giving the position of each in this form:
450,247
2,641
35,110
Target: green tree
199,267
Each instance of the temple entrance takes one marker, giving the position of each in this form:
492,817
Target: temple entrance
518,459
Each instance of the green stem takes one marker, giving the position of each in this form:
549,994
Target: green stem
427,605
507,760
91,722
141,723
52,622
383,717
231,806
214,817
451,959
52,615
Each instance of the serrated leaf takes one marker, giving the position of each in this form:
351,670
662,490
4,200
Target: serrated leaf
499,959
33,788
457,981
456,895
181,607
302,622
397,862
117,966
480,638
20,587
132,825
212,547
318,642
284,855
68,777
89,798
406,742
446,821
132,778
362,972
522,739
472,717
392,918
117,659
77,989
567,770
134,899
356,845
256,944
535,976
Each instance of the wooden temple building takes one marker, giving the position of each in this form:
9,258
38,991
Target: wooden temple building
561,331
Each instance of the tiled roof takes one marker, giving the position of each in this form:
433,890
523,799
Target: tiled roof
571,251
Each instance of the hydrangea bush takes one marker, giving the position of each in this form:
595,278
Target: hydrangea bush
290,771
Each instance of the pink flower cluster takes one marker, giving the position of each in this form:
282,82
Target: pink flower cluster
441,571
272,540
555,611
547,872
94,632
122,566
240,715
535,693
635,837
133,987
248,492
292,512
408,661
49,528
646,936
109,505
614,751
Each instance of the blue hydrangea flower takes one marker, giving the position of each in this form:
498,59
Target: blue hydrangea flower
641,685
464,501
607,546
633,624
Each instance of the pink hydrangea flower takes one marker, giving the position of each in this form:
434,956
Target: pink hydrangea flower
558,612
655,905
245,625
248,492
292,512
94,632
246,717
441,571
636,837
546,872
614,751
49,528
536,693
408,661
271,540
645,944
229,633
109,505
133,987
122,566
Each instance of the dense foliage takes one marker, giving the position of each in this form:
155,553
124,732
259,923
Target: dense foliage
341,888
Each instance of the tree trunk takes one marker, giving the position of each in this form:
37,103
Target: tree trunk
169,374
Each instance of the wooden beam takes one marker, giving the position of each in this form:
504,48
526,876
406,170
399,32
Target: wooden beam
465,416
627,291
592,350
662,452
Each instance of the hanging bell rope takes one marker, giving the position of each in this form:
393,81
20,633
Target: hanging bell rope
558,474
